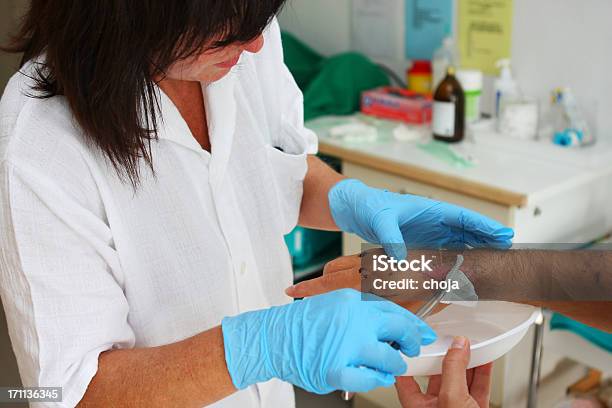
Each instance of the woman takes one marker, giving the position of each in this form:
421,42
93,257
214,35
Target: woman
153,155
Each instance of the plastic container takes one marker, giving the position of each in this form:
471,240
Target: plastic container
519,118
471,81
571,126
420,76
494,328
397,104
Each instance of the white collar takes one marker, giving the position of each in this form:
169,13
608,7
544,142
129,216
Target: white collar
220,103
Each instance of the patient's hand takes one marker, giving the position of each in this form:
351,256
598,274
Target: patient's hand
455,388
344,273
341,273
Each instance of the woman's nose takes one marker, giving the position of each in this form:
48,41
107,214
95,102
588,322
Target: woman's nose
255,46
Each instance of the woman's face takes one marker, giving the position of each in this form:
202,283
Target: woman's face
211,66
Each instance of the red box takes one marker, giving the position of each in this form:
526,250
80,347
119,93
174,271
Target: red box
397,104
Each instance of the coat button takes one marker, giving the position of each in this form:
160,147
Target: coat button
243,268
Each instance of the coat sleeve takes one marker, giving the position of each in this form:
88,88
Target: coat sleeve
58,276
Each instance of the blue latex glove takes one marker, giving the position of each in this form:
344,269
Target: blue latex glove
324,343
397,221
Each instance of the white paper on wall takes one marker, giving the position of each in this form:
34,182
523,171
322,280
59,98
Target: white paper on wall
378,28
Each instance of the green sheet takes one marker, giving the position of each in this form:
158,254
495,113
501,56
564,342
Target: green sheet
331,86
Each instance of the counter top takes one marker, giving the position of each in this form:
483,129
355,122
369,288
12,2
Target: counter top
505,171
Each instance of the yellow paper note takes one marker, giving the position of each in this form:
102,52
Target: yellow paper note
485,33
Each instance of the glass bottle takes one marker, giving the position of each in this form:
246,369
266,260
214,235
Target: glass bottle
448,122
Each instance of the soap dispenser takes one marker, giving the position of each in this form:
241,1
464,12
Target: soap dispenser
506,88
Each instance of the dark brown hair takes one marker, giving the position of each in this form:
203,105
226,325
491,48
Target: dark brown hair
103,56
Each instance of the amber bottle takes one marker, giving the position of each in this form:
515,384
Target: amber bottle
448,122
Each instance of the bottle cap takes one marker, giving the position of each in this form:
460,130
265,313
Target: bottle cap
470,79
420,67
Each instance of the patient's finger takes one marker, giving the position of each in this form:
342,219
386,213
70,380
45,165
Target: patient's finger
433,387
409,393
469,375
346,279
454,378
480,387
342,263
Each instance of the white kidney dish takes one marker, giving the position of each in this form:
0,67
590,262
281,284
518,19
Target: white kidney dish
494,328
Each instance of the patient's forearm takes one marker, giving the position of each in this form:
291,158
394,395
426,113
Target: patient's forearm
542,274
575,283
191,373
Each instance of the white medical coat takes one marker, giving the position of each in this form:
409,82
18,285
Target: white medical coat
87,265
